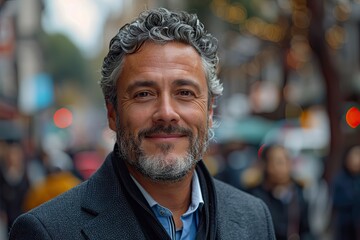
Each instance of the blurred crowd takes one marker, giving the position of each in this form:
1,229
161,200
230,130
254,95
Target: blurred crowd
303,206
29,178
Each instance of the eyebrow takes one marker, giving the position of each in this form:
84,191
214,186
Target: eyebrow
187,82
149,83
141,83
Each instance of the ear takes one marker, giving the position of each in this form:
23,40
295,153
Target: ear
111,115
211,112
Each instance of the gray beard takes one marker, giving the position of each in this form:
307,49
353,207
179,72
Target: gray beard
159,167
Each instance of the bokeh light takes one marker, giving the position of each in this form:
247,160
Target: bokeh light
335,36
353,117
63,118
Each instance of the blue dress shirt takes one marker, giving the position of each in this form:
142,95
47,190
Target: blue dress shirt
190,218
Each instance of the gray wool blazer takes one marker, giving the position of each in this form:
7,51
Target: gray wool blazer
98,209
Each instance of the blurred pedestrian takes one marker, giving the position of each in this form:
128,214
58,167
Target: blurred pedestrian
59,179
13,180
159,82
283,195
346,196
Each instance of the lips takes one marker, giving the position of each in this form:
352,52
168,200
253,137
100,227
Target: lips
165,138
167,133
164,135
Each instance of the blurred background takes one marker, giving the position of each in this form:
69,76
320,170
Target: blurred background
291,75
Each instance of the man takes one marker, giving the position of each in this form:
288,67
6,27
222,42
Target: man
159,82
346,195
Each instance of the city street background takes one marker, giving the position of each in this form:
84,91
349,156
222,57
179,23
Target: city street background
290,71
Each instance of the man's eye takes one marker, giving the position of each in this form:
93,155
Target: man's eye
142,94
186,93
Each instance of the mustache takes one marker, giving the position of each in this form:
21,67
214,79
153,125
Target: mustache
171,129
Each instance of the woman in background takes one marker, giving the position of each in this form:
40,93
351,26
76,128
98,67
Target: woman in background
282,194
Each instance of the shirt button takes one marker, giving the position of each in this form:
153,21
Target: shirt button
162,212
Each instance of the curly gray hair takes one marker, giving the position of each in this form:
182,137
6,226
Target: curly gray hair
160,26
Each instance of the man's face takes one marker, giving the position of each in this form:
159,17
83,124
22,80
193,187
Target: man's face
163,115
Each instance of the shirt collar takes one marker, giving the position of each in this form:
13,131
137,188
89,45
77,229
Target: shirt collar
196,195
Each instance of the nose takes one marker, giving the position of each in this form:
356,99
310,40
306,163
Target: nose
166,112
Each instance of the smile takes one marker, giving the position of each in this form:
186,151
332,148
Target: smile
165,137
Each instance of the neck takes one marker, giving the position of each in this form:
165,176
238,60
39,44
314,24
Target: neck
176,196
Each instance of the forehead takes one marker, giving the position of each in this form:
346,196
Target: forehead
173,60
277,153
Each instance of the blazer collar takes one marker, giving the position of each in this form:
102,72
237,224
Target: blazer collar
106,205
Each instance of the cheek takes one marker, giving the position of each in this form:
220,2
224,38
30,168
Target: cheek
201,106
134,117
198,110
196,119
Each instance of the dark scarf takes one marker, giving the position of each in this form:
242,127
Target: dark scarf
150,226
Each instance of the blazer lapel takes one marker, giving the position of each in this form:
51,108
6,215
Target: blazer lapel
110,216
113,224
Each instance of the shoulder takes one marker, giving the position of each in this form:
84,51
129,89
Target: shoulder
71,213
229,194
241,214
235,201
62,212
